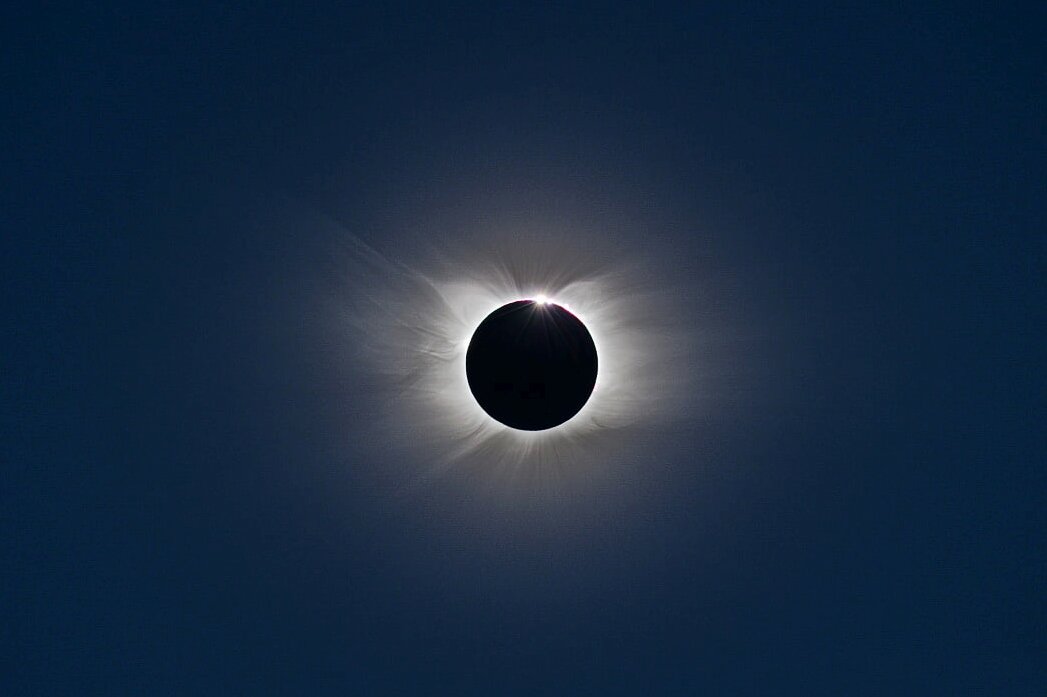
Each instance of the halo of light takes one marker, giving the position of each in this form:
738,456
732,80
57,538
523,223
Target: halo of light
406,326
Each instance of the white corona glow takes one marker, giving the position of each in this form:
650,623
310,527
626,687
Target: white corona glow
410,324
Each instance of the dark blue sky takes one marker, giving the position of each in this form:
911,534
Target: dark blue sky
868,184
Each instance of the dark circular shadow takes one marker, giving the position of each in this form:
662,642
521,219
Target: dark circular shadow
531,365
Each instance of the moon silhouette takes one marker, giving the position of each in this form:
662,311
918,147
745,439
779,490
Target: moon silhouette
531,365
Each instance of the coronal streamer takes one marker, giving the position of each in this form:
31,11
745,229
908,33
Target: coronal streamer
407,319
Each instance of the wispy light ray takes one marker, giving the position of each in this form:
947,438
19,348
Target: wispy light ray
410,323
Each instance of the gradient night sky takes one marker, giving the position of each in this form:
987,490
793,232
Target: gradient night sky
864,515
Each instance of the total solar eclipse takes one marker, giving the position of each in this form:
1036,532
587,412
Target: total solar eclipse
459,348
531,365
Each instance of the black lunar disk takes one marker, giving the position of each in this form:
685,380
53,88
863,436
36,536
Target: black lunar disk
531,365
